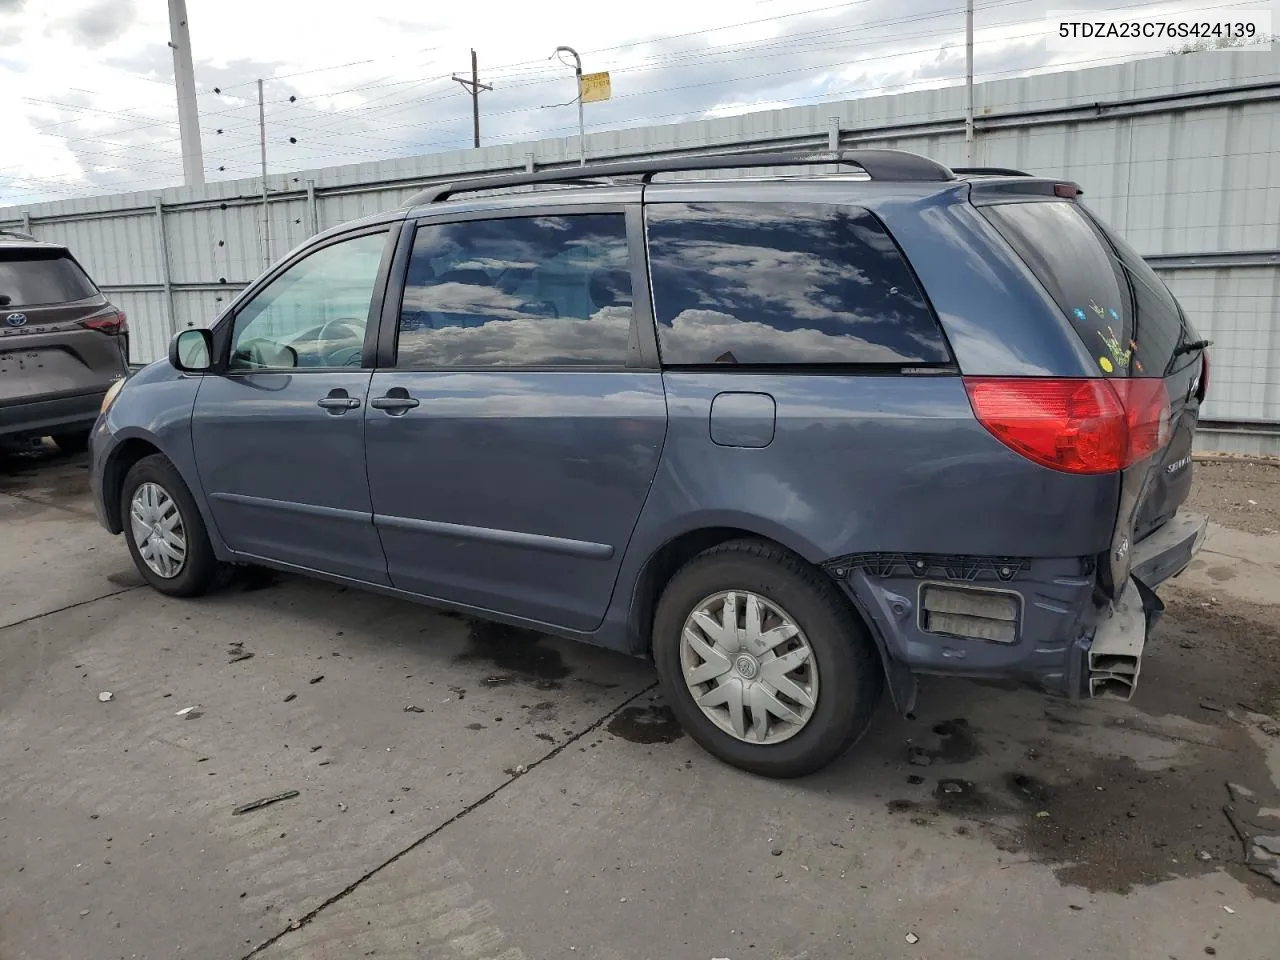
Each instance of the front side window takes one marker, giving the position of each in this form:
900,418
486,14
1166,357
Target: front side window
518,292
315,313
784,284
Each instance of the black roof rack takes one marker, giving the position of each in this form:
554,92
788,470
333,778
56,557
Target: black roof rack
990,172
15,233
877,164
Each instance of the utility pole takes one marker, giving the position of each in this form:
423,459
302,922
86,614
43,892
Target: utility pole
968,82
184,79
582,130
262,142
474,86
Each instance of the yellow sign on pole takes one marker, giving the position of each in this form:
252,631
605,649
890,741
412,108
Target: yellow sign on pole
594,87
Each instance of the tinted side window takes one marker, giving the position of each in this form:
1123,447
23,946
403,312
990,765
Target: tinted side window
518,292
784,284
34,278
314,314
1120,309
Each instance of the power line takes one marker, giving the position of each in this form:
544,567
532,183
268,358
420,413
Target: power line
783,47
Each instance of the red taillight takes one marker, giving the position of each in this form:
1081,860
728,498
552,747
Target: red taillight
1077,426
112,323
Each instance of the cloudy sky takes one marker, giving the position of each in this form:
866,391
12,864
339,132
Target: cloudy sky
87,103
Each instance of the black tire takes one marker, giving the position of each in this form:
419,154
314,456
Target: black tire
201,571
849,668
72,443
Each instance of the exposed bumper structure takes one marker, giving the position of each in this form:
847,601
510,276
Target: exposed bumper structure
1115,656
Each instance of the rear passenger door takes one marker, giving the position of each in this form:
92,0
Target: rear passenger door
516,416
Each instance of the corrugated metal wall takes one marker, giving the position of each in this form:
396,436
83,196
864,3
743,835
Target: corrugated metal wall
1181,154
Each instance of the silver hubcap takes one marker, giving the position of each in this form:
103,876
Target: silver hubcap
158,530
749,667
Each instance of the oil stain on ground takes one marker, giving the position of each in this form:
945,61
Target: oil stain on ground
651,723
518,652
1067,792
954,743
1120,826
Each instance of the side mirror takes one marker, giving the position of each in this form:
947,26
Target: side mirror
5,299
191,351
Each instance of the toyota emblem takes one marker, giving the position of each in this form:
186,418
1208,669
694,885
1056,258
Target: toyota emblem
16,319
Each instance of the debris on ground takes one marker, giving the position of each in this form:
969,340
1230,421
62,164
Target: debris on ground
917,757
1212,706
290,696
776,851
240,655
316,679
413,708
912,938
263,802
105,696
190,713
1258,830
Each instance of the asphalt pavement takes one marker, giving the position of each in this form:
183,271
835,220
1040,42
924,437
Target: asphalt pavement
451,789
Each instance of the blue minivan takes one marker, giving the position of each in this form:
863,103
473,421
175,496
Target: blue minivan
797,436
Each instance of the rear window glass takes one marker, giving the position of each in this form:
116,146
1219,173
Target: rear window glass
784,284
33,278
1122,311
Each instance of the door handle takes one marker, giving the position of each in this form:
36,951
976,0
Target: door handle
337,402
396,402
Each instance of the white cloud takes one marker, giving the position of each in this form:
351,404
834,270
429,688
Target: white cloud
87,103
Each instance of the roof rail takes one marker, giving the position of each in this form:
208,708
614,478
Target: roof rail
990,172
16,233
877,164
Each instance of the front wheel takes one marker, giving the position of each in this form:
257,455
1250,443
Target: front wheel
763,662
164,530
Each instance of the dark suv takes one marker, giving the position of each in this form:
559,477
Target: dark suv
794,438
62,345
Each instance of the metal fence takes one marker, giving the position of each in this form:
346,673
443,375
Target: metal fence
1181,154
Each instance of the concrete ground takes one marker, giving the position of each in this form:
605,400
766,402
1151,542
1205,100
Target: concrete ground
466,791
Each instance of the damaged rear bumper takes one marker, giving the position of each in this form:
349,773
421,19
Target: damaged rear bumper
1166,551
1114,657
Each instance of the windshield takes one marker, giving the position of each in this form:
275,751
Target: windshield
32,278
1123,312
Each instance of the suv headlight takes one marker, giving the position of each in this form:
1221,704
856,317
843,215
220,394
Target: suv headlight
113,391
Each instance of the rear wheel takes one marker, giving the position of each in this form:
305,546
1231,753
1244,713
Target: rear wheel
762,660
165,532
74,442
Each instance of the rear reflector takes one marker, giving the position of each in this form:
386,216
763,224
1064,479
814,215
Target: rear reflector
113,322
1068,191
1076,426
969,612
